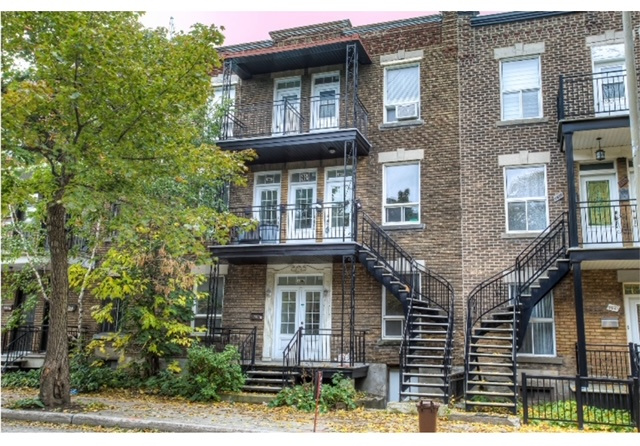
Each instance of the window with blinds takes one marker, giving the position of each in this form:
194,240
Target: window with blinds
521,89
402,93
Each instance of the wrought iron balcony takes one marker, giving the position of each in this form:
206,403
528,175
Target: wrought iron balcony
608,223
302,223
293,117
593,95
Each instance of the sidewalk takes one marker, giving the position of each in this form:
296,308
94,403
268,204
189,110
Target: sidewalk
151,413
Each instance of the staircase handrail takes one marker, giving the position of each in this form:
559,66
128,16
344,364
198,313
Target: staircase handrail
249,346
19,347
408,265
291,356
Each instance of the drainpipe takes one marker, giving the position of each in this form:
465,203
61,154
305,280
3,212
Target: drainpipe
633,98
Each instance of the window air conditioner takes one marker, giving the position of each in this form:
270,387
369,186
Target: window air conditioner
407,111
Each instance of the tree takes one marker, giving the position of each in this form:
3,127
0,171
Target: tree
97,110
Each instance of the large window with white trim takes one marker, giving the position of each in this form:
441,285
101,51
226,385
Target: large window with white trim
539,340
392,316
521,88
401,93
526,198
401,193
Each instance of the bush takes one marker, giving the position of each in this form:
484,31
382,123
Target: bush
341,393
19,379
88,375
209,373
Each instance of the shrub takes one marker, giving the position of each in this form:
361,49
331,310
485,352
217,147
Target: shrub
340,393
21,378
27,403
210,372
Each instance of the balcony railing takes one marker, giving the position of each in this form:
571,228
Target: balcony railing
244,339
593,95
611,360
612,223
314,222
294,116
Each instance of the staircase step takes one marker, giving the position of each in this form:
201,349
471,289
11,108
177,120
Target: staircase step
490,355
419,347
505,374
262,389
424,357
423,375
258,381
503,347
494,329
493,338
490,364
424,366
490,383
423,385
491,394
491,404
422,395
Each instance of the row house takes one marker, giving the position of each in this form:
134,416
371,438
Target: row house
437,206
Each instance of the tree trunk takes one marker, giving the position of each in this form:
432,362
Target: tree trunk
55,379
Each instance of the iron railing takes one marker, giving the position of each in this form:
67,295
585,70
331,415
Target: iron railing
608,222
244,339
593,95
321,346
294,116
287,222
541,253
581,400
610,360
19,342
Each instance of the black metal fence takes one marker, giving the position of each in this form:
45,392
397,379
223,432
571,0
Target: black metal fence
609,222
592,95
288,222
580,400
610,360
294,116
244,339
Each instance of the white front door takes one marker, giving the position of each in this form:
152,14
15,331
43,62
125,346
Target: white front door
301,307
632,311
302,209
337,218
610,92
267,206
600,210
286,107
325,101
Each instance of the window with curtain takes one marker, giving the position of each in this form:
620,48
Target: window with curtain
526,198
521,89
540,336
402,93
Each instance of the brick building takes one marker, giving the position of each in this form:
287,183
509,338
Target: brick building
415,179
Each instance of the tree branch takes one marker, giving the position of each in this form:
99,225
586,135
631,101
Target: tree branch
26,252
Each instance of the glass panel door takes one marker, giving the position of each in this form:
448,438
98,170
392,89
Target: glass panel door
337,206
325,102
286,107
610,89
600,213
301,215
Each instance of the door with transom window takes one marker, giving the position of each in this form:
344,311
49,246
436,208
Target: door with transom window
599,210
325,101
302,209
632,311
286,107
299,305
338,204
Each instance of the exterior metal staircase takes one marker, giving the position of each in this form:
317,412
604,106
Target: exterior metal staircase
498,313
427,300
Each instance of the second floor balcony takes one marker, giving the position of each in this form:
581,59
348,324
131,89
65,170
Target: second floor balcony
295,129
593,95
608,224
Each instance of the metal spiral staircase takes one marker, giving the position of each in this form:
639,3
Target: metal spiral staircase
498,313
427,300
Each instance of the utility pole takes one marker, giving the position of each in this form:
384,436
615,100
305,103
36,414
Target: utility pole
632,85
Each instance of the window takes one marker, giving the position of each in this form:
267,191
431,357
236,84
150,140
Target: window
402,193
209,305
526,198
392,316
540,336
401,93
521,89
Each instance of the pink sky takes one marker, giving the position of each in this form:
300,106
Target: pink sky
250,26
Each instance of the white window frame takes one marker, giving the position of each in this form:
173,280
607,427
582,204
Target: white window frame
204,315
542,320
391,318
525,199
387,104
385,205
503,92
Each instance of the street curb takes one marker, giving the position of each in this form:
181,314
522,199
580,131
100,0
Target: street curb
119,422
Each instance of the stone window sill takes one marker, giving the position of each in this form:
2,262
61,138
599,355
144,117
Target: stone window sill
521,122
539,360
401,124
403,227
519,235
389,342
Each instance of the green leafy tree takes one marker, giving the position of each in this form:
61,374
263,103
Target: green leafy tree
98,110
